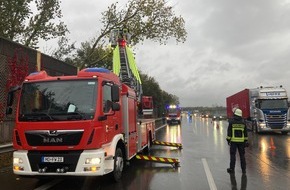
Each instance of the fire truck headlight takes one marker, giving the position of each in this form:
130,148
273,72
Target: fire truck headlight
17,161
93,161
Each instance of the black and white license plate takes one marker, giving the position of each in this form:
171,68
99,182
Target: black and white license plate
52,159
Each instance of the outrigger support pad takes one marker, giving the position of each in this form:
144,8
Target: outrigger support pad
176,165
178,145
173,161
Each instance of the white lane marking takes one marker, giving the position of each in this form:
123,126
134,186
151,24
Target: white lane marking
49,185
208,175
194,131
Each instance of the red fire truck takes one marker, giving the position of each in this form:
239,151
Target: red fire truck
173,114
83,125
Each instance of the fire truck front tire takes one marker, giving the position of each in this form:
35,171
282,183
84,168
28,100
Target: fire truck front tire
118,165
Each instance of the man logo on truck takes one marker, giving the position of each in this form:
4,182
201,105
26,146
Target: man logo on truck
52,140
53,133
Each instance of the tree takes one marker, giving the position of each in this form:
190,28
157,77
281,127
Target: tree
65,50
19,22
145,19
100,57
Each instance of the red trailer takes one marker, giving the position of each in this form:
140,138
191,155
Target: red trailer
239,100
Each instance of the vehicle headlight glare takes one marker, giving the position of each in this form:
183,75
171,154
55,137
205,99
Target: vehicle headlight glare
93,161
17,161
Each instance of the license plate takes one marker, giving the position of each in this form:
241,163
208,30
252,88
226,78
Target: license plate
52,159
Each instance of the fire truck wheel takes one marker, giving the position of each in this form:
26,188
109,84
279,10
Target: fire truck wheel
118,165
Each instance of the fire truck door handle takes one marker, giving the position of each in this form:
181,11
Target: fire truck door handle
110,128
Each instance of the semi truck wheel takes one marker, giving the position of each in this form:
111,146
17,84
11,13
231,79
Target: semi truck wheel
118,165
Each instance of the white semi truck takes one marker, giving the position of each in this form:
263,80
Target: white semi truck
265,108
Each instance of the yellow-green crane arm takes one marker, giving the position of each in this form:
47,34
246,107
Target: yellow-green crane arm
132,64
116,61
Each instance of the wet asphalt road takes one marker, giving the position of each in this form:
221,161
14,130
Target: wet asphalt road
203,162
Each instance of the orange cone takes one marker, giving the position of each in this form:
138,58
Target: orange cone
272,146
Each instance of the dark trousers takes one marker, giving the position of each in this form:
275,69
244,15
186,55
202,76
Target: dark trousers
233,150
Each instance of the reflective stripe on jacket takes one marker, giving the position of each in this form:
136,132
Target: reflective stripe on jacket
237,131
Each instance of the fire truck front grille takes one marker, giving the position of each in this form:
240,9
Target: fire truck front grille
276,121
53,137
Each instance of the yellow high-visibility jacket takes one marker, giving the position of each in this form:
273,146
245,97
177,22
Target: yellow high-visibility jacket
237,130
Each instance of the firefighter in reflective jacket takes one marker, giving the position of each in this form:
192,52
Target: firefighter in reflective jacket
237,138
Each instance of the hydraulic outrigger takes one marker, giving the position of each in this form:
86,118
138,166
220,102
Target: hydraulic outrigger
178,145
173,161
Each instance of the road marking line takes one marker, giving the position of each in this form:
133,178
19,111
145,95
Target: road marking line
194,131
48,185
208,175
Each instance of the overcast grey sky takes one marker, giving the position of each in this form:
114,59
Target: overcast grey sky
231,45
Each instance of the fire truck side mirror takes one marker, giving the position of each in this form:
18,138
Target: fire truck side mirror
10,99
115,93
115,106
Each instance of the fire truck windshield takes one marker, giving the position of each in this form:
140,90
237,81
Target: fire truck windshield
273,104
173,110
58,100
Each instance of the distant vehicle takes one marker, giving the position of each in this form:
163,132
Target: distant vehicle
173,114
217,117
264,108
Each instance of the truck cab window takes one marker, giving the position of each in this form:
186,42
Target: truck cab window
58,100
107,100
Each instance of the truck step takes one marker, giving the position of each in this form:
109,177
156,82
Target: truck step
173,161
178,145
